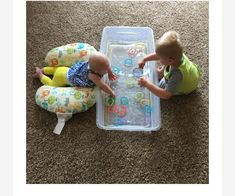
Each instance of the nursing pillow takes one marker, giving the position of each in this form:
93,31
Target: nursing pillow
69,54
66,101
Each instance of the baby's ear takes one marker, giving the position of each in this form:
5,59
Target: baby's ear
172,58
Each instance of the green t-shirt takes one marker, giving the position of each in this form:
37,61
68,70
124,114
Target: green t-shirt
181,80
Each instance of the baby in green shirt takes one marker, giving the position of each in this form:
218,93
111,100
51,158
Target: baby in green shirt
177,74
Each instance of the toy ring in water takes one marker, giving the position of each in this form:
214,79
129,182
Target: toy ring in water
124,100
139,96
116,70
137,72
147,108
130,82
144,102
132,52
119,121
109,101
113,109
121,112
140,46
128,62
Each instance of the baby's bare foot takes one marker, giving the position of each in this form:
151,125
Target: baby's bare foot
38,72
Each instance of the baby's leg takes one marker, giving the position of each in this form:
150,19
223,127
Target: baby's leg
43,78
59,79
46,80
44,70
49,70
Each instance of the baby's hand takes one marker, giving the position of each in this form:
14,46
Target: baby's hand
160,68
141,64
112,94
143,82
112,76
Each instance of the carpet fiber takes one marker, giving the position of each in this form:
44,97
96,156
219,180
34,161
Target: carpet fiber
177,153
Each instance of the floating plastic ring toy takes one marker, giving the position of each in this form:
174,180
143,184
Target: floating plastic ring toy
147,108
139,96
144,102
119,121
140,47
128,62
124,100
121,112
137,72
109,101
132,52
113,109
130,82
116,70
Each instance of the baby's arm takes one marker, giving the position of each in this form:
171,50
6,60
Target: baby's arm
97,80
111,76
149,57
160,92
160,71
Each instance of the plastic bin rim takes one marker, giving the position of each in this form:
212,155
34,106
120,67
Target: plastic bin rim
124,128
131,27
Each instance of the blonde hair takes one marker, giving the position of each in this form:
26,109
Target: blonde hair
169,46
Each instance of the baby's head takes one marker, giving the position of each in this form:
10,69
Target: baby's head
99,63
169,48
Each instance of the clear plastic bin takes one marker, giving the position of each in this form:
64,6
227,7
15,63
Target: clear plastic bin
134,108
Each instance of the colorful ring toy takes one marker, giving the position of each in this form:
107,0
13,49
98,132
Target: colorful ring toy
121,112
109,101
130,82
137,72
140,47
113,109
139,96
144,102
132,52
124,100
147,108
119,121
128,62
116,70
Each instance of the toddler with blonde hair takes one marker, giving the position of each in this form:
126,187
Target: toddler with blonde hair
177,74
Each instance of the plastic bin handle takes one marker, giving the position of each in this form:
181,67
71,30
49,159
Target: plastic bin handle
127,33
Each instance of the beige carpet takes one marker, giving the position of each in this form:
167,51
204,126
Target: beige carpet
178,153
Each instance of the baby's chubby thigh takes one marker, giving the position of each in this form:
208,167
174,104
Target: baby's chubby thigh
60,76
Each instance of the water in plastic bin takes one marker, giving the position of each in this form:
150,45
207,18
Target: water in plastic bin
134,107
